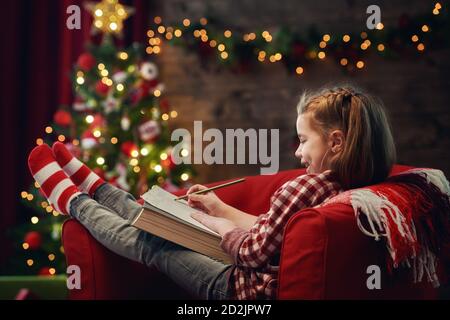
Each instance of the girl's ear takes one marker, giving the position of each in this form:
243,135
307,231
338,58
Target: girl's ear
337,141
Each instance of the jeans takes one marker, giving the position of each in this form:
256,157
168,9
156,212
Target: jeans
108,219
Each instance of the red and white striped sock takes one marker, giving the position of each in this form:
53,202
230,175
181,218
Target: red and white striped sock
83,177
54,183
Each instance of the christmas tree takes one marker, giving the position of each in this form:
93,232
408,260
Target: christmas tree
118,125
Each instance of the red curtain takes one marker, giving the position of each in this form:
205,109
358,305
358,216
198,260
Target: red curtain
37,55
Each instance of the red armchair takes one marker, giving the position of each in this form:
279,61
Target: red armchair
324,255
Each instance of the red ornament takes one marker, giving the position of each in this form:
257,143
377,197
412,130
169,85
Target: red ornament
164,105
101,88
86,61
62,118
34,240
44,271
168,164
128,147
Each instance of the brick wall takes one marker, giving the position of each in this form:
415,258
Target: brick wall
415,90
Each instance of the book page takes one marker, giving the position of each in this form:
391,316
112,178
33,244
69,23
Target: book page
165,201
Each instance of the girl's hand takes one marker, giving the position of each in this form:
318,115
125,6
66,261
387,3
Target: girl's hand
219,225
207,202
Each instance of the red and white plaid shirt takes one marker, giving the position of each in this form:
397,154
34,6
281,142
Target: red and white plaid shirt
256,252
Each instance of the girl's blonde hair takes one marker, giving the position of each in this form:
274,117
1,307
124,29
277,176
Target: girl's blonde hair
369,150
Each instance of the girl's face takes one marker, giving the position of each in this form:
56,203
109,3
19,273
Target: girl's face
312,148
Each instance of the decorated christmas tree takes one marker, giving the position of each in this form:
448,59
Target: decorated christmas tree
118,124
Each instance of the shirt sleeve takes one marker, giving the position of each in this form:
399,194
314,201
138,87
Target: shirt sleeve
255,248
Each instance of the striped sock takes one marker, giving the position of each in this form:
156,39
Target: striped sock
83,177
54,183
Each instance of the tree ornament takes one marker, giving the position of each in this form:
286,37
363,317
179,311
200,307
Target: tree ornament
34,240
128,147
101,88
108,16
149,131
86,61
111,104
148,71
125,122
62,118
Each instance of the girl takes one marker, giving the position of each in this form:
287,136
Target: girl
345,142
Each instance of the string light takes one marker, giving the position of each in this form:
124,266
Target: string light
173,114
227,33
224,55
184,177
30,262
120,87
89,119
346,38
184,152
39,141
299,70
52,271
186,22
158,168
321,55
380,26
414,38
326,37
203,21
144,151
100,161
80,80
34,220
425,28
25,246
380,47
163,156
114,140
51,257
36,185
30,197
136,169
61,138
420,47
23,194
157,20
49,130
134,153
157,93
49,209
165,116
360,64
134,162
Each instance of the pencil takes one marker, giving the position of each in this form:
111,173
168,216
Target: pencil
212,188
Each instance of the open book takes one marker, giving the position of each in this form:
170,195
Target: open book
169,219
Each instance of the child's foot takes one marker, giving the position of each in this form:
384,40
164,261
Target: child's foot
84,178
54,183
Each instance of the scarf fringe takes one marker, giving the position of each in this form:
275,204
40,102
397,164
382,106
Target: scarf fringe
378,211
